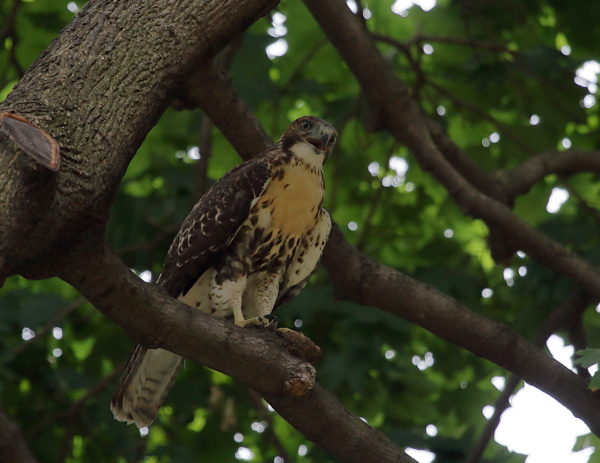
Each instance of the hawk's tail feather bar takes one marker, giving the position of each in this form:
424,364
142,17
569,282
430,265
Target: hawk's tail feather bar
146,381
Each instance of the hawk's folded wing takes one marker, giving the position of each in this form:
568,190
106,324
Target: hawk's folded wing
213,223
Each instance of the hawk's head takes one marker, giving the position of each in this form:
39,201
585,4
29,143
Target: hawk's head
312,130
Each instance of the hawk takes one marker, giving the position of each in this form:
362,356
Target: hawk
250,243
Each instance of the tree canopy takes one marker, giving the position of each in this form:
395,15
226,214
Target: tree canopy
458,120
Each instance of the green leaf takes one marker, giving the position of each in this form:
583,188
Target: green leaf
588,357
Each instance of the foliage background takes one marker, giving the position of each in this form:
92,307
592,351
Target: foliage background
399,377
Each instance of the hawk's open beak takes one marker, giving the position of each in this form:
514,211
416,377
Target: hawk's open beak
319,143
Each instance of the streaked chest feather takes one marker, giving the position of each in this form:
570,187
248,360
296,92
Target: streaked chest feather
293,199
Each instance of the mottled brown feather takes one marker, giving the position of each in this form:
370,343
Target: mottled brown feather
210,233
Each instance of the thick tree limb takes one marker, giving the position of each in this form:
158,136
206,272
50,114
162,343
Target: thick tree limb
362,280
156,320
358,278
66,92
98,89
13,447
390,97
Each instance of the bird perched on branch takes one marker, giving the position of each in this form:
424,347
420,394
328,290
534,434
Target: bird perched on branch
250,243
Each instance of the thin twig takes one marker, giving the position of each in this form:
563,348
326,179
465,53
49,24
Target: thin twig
360,12
468,42
375,198
206,141
13,447
76,407
502,128
48,327
301,66
264,414
373,205
594,213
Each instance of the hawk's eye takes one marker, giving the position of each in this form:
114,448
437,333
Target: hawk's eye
305,125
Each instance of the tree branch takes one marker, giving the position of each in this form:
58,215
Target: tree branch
75,408
264,414
463,41
519,180
390,97
134,52
154,319
560,317
209,84
360,279
13,447
55,234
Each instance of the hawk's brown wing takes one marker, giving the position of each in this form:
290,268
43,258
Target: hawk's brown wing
212,224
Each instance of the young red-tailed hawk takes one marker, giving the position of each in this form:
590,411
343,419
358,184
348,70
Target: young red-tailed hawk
251,242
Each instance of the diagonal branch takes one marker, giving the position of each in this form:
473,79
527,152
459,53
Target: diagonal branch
13,447
156,320
388,95
70,92
358,278
264,414
560,317
76,407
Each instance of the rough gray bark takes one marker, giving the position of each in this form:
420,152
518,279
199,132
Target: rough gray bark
98,89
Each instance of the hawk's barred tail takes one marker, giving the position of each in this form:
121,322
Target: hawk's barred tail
146,381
